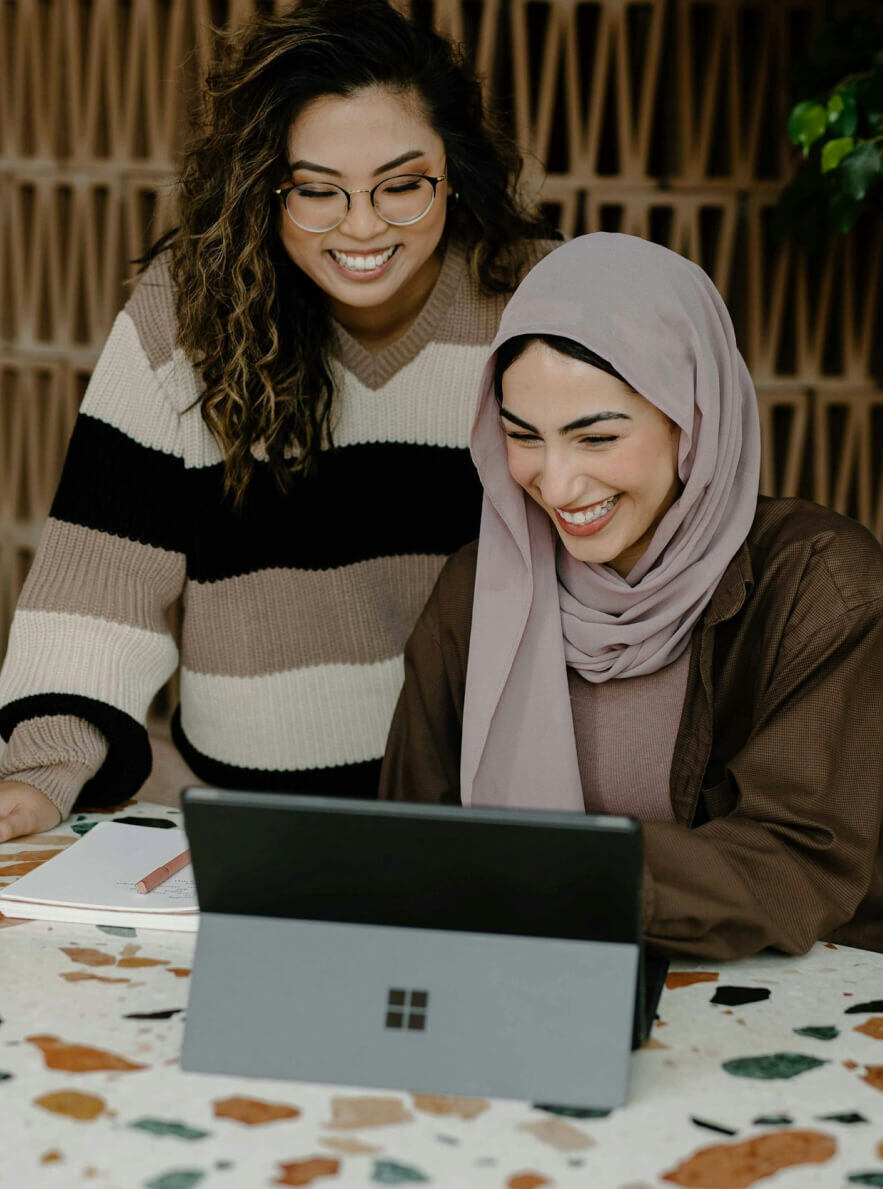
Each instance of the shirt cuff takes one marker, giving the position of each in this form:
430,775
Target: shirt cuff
56,754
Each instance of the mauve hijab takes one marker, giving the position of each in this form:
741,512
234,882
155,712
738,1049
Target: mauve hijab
658,319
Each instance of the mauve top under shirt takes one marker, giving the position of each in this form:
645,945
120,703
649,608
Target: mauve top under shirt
625,737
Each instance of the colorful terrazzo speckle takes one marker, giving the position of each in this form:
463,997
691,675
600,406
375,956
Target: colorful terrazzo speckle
739,1165
169,1127
93,1025
179,1178
772,1065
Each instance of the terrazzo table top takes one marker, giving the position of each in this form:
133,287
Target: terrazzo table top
764,1072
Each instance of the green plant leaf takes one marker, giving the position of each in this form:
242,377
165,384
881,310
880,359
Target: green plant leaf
860,169
869,95
843,211
834,152
842,112
807,122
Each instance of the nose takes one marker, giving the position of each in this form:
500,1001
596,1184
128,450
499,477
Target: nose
561,477
362,220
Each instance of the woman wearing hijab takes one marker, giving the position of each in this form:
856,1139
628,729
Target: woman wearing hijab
636,632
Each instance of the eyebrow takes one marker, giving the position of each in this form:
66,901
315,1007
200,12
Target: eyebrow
411,155
581,423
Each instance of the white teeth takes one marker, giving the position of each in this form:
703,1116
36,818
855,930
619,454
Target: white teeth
362,263
590,514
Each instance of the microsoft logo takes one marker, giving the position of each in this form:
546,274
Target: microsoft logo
407,1009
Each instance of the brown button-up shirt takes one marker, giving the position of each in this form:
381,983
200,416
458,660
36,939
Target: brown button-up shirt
776,780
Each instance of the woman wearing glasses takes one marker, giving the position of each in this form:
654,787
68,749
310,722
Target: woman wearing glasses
277,428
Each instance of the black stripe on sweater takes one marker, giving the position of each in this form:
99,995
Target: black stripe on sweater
342,780
129,758
367,501
115,485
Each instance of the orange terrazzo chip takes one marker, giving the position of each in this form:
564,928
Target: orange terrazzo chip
88,957
560,1134
450,1104
527,1180
874,1076
73,1104
53,1156
686,978
872,1027
736,1166
253,1111
75,1058
137,963
350,1146
368,1112
19,868
304,1172
179,971
79,976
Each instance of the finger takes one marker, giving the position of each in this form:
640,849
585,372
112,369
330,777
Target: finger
17,822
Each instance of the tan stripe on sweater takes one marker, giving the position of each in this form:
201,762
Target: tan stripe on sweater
269,621
83,572
56,754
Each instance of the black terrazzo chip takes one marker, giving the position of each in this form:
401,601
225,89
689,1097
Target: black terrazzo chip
858,1008
772,1121
737,996
713,1126
844,1117
157,823
153,1015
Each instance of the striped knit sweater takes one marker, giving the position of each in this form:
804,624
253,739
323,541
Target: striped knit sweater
296,610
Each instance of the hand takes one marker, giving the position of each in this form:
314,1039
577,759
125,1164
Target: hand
24,810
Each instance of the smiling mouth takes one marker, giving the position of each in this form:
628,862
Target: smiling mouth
362,262
590,513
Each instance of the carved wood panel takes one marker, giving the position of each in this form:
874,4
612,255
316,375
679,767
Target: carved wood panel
662,118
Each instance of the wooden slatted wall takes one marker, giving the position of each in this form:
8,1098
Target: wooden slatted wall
658,117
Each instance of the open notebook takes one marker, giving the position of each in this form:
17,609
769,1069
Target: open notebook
93,882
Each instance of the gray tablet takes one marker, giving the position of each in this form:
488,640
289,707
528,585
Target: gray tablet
425,948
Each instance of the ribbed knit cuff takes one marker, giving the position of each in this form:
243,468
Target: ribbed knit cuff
56,754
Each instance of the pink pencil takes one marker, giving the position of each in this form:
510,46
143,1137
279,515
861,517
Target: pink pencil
161,874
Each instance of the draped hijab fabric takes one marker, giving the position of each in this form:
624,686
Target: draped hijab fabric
658,319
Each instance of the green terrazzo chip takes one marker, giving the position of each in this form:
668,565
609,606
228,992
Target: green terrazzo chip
572,1112
178,1178
390,1172
820,1033
772,1065
169,1127
82,828
865,1178
117,930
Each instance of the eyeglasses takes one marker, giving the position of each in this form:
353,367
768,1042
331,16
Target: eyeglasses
322,206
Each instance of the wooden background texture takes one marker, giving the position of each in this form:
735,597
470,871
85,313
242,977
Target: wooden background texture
661,118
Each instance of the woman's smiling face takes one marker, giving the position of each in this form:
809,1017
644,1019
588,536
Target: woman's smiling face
356,142
597,457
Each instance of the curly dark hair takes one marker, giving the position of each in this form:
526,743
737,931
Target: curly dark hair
255,326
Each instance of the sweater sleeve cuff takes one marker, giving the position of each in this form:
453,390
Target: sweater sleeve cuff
56,754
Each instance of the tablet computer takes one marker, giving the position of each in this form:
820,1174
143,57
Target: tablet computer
428,948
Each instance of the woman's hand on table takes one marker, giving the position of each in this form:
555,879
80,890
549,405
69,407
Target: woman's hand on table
24,810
